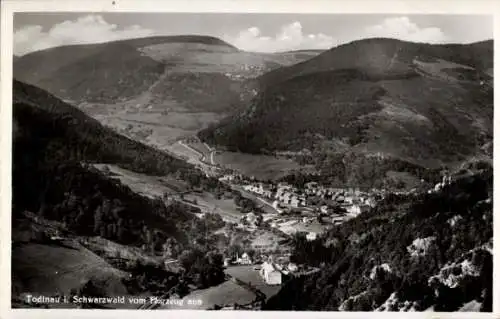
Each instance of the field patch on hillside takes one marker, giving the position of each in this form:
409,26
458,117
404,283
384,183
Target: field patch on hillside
262,167
150,186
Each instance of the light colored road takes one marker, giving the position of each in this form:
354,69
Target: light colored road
192,150
212,161
202,158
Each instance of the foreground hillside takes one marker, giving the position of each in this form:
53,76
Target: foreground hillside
430,251
373,100
56,191
152,89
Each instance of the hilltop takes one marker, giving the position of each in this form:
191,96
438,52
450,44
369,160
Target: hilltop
354,108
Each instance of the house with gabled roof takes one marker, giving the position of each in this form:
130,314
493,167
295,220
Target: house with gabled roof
270,273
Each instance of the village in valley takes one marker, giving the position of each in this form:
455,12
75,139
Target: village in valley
310,211
260,219
290,210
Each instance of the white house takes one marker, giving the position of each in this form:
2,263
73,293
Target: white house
324,209
244,260
292,267
227,178
349,199
370,201
357,209
295,201
251,218
270,274
311,236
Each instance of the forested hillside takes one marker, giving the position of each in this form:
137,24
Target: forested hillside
54,145
373,100
415,252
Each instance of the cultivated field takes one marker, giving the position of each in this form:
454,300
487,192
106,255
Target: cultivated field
208,203
146,185
262,167
251,276
158,123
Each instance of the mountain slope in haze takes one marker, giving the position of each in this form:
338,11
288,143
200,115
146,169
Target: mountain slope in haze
99,72
82,136
371,100
151,89
386,57
114,71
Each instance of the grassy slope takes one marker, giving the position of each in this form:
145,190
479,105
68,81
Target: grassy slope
46,269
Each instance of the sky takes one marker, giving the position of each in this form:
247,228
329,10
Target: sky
251,32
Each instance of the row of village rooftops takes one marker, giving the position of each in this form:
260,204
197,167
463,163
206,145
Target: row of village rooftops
285,195
294,197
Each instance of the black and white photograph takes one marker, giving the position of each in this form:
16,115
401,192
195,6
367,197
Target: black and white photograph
252,161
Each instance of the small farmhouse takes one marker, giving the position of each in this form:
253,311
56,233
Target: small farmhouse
270,274
311,236
292,267
355,210
244,260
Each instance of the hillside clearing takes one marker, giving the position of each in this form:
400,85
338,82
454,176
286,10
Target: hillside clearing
50,269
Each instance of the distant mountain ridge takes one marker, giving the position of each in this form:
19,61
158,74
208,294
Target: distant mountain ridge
117,70
385,56
421,103
153,89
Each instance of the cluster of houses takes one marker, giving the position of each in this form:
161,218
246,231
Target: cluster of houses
259,189
439,186
331,201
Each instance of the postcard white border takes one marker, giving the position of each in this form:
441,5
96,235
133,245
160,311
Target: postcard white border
8,7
